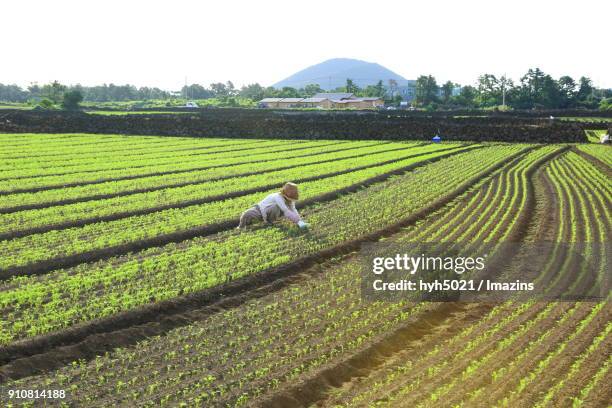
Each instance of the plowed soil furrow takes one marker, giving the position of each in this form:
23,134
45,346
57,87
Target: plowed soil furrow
413,369
585,373
445,228
232,380
596,228
222,338
550,332
575,215
589,220
562,361
442,322
573,270
440,224
457,369
561,233
601,394
548,214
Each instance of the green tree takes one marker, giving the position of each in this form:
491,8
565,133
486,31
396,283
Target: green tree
45,104
312,89
380,89
506,89
489,91
288,92
467,97
231,90
72,99
34,90
426,90
392,89
254,92
605,104
195,91
586,96
53,91
567,89
351,87
447,91
219,89
12,93
530,92
377,90
551,95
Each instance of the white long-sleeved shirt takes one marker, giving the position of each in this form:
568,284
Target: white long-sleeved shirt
274,204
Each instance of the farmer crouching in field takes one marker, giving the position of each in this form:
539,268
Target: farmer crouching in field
273,207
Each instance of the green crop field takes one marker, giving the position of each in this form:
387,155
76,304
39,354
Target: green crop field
124,282
586,119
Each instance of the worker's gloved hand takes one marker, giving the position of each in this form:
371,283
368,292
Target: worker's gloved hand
293,217
303,224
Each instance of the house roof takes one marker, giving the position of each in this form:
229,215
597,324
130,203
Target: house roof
314,100
270,99
292,100
356,100
338,95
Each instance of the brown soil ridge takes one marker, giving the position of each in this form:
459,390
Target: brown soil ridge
314,389
34,350
588,369
483,377
421,365
463,387
563,361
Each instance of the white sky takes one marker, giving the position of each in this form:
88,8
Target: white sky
159,43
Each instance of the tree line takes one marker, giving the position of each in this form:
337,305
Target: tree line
535,89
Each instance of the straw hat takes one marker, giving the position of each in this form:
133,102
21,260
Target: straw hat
290,191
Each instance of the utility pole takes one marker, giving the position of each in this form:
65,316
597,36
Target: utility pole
504,91
186,89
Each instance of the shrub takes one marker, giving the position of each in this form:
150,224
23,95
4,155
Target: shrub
71,100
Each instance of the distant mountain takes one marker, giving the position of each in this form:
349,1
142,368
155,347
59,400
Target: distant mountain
333,73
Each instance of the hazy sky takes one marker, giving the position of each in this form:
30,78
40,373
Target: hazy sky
159,43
